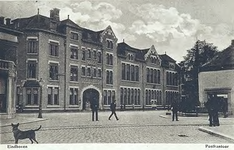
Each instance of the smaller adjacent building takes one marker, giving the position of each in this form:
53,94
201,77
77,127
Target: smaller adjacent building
8,62
217,78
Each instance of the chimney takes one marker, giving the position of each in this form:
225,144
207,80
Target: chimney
54,14
8,21
1,20
232,44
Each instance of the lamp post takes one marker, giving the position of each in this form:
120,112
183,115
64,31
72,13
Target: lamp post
40,102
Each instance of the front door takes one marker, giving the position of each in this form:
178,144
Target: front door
89,96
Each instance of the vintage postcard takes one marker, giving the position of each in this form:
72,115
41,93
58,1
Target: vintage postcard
119,74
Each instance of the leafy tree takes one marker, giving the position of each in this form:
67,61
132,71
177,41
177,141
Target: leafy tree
197,56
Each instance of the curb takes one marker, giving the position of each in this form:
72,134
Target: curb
216,133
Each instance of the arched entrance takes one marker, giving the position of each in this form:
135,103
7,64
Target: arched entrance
90,96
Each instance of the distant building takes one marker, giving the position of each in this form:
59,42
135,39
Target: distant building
217,78
67,66
8,62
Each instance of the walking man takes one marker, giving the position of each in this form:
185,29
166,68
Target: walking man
113,108
94,107
174,108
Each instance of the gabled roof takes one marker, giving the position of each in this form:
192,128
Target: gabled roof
165,57
223,60
70,23
123,47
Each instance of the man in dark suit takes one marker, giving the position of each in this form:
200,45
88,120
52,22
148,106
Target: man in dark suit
94,107
113,108
174,108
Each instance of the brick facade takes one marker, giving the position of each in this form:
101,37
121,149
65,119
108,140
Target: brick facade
67,66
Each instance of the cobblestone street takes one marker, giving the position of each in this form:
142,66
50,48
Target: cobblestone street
133,127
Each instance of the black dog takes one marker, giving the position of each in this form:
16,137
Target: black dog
18,134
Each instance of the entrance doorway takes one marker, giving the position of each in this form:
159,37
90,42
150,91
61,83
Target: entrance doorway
90,96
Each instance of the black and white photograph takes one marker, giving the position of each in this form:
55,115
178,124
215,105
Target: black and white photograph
117,74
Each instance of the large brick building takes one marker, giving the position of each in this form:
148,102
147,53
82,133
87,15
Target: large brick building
67,66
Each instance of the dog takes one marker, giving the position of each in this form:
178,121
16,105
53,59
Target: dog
18,134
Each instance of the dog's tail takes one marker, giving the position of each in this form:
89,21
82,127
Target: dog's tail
37,129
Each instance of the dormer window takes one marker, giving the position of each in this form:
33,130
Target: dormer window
172,66
74,36
130,56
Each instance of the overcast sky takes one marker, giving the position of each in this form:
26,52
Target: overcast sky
172,26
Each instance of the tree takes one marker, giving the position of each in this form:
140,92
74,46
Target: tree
197,56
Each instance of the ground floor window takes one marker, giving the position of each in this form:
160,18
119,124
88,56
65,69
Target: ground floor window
73,96
32,96
129,96
109,96
53,96
153,94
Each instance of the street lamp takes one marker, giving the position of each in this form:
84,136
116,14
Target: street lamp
40,102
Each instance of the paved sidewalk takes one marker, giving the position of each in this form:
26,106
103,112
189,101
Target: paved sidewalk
225,130
22,119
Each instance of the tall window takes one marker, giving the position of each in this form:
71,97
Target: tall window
53,96
109,59
94,54
128,72
74,52
74,36
31,69
109,44
89,53
137,73
83,71
54,49
123,71
94,72
74,73
109,77
83,54
53,71
32,96
73,96
32,46
99,73
88,72
99,57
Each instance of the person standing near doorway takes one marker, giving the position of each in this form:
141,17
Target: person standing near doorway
94,107
113,109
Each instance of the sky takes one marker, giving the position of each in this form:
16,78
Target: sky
172,26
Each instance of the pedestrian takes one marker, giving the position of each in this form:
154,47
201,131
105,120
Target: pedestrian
174,108
209,107
224,107
94,107
216,108
113,109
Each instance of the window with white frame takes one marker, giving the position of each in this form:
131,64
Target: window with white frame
53,71
53,96
73,96
54,48
74,73
32,96
74,36
74,52
31,69
32,46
